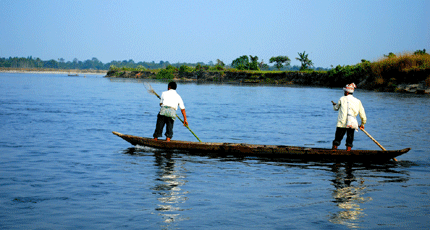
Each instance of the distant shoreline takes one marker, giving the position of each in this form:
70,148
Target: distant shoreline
283,78
52,71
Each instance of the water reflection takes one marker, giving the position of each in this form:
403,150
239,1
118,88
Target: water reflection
347,196
168,187
168,181
349,183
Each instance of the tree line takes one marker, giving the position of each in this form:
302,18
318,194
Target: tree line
91,64
281,63
241,63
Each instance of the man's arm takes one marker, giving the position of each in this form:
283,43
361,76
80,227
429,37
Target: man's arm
185,117
362,114
336,106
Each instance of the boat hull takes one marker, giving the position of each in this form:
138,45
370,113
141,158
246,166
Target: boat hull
273,151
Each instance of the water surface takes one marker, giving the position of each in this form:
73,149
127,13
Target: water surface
62,168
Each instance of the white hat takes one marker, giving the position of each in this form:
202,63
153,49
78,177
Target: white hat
350,88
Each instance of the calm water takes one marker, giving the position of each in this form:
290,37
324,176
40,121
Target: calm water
62,168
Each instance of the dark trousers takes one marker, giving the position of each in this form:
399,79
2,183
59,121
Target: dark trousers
161,121
340,132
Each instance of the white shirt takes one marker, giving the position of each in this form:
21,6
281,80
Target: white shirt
355,107
172,99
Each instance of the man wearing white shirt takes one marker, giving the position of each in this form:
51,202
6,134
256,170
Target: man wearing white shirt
169,102
348,106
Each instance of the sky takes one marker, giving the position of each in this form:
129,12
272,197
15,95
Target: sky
331,32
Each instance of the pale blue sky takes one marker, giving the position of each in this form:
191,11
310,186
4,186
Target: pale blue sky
332,32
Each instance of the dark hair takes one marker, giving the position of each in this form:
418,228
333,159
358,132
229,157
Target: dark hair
172,85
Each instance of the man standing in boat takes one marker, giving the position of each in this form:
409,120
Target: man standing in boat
169,102
349,107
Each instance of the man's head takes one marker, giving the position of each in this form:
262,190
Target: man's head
172,85
349,89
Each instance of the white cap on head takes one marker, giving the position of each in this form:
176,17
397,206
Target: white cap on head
350,88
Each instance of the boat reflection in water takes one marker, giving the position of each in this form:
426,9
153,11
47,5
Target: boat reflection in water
349,187
168,187
348,196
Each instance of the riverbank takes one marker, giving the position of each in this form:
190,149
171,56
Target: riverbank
304,78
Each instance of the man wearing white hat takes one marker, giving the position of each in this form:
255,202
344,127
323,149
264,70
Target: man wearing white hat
349,107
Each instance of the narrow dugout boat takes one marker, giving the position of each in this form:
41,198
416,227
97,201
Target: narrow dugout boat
273,151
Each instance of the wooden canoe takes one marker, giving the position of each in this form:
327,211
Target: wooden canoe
273,151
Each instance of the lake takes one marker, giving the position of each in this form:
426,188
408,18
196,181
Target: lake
62,168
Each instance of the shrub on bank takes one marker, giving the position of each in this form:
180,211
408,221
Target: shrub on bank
342,75
165,74
385,74
401,69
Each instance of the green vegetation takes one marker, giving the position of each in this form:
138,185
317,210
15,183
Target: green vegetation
165,74
280,60
420,52
93,64
306,62
342,75
243,63
385,74
31,62
138,68
403,68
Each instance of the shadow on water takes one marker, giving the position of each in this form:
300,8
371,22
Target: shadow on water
351,181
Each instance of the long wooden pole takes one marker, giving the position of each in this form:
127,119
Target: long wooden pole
373,139
152,91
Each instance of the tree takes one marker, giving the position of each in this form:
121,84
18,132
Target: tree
390,55
185,69
39,63
87,64
241,63
75,63
254,63
141,68
165,74
306,63
51,64
96,63
263,65
171,68
279,61
420,52
220,63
